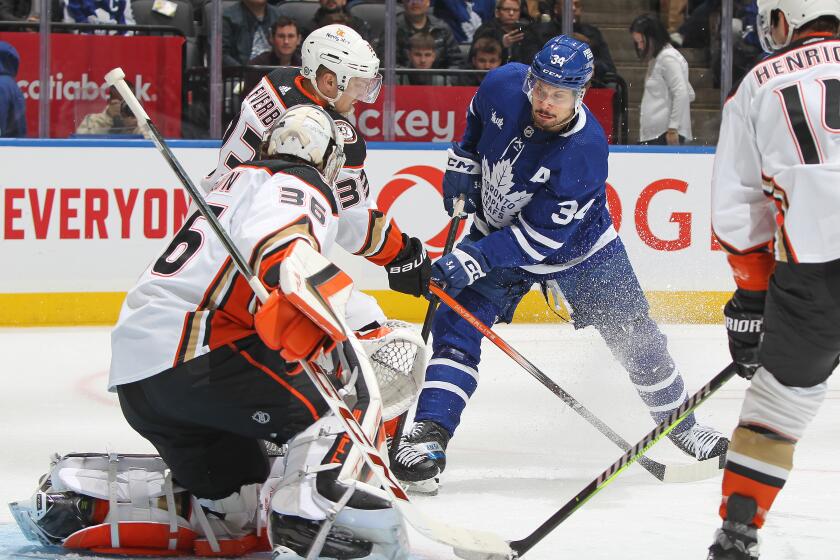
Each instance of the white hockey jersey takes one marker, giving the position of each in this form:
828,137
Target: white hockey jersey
363,230
191,299
776,180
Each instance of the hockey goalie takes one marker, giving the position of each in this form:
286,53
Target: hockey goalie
209,375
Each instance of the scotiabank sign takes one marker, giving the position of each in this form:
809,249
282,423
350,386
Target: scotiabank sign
439,113
100,215
77,83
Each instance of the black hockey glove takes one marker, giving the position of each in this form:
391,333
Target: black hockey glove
744,324
410,270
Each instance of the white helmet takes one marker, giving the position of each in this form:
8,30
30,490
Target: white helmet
344,52
797,13
307,132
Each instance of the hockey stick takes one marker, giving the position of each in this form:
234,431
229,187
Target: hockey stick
457,216
520,547
666,473
487,544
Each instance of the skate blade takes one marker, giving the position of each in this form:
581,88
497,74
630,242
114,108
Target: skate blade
428,487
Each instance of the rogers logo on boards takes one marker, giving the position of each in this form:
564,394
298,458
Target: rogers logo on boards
420,175
411,177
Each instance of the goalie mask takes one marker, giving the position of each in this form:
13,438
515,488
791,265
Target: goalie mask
307,132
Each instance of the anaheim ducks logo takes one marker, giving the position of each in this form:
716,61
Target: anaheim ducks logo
417,176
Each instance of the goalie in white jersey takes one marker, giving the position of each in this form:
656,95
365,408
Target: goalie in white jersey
775,204
206,373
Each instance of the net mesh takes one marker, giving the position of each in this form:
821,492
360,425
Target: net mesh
393,364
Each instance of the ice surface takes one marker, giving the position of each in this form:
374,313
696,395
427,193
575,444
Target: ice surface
518,456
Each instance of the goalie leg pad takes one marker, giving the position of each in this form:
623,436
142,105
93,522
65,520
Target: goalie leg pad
311,494
124,504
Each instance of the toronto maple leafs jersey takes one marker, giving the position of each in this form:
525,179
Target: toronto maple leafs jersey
191,299
776,179
543,195
363,230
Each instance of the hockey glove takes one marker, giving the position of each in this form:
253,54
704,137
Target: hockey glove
463,176
284,327
410,270
460,268
744,324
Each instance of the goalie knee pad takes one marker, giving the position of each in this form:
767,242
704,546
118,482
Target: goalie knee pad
319,505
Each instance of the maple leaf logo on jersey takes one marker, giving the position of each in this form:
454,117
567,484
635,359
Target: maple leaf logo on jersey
499,197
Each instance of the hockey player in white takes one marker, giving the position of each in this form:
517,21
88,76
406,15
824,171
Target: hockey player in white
205,373
775,201
339,70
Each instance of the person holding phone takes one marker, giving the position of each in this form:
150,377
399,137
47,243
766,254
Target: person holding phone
507,27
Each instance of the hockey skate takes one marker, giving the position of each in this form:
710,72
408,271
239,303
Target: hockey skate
702,442
421,457
737,539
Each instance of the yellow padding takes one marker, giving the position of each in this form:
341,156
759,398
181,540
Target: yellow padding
54,309
103,308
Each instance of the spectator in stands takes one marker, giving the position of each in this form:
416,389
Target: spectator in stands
246,28
665,116
12,105
416,19
117,118
537,35
506,27
98,11
464,17
326,15
18,10
485,54
422,55
285,45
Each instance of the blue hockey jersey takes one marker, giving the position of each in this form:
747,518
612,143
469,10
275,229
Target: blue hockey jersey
543,196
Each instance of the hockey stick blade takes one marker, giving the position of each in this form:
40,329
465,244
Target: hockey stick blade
665,473
520,547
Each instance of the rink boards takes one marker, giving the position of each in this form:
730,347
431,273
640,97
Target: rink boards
82,219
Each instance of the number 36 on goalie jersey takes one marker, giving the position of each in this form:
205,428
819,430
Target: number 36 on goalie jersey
206,302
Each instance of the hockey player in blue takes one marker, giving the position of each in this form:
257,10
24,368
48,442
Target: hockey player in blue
533,166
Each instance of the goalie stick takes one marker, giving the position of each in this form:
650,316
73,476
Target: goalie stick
700,470
521,546
488,545
457,216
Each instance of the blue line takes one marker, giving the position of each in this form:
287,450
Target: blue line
215,144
